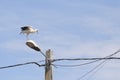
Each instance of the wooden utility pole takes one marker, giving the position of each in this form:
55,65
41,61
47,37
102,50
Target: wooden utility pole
48,67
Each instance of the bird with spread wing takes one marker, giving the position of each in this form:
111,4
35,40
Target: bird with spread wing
28,30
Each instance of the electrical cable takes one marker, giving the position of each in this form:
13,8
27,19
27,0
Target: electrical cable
97,70
10,66
97,59
91,70
97,65
76,65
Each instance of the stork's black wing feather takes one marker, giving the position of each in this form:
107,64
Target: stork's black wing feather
25,28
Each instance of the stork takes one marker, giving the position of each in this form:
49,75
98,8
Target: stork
33,45
27,30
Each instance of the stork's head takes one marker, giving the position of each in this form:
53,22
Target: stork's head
36,30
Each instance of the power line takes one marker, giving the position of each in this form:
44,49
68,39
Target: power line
10,66
75,59
92,70
76,65
98,65
54,60
95,60
97,69
68,59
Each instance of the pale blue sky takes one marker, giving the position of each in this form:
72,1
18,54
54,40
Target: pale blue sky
71,28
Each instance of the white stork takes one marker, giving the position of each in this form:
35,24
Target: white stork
27,30
33,45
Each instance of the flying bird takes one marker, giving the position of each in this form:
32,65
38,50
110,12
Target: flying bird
33,45
27,30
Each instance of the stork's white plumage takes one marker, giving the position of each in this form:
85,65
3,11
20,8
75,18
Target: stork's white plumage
27,30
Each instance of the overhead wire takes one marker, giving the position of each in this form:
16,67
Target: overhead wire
91,70
16,65
97,69
54,60
76,65
96,59
98,65
75,59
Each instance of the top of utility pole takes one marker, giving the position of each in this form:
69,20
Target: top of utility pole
48,67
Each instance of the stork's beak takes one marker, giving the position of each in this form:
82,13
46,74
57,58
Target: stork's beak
37,31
